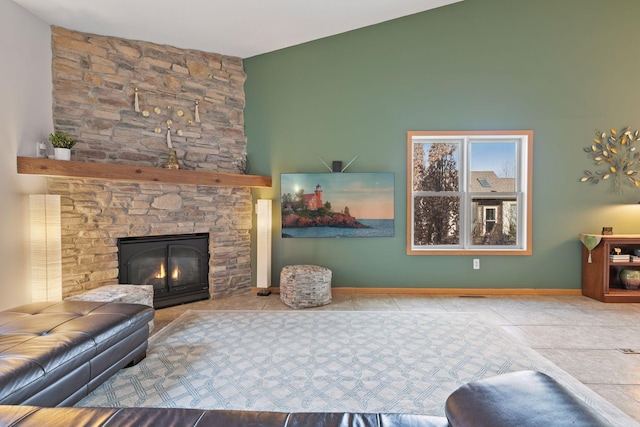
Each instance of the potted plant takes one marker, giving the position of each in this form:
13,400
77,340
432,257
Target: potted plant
62,144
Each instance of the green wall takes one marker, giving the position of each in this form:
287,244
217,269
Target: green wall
561,68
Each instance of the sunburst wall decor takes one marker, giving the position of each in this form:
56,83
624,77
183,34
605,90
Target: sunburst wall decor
618,157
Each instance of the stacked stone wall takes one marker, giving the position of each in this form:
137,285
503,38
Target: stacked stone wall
94,81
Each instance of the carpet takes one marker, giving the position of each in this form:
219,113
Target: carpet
324,361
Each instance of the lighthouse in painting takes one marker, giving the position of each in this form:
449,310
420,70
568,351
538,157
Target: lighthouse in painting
314,201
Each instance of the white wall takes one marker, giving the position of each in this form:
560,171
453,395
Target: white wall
25,117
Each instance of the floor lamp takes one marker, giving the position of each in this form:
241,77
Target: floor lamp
46,247
263,256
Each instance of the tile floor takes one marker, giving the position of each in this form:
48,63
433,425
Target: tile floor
578,334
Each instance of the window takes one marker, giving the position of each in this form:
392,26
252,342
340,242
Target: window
483,182
489,219
469,193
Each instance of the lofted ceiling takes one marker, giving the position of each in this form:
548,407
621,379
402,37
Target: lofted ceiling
242,28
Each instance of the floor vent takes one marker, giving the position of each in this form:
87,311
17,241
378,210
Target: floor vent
628,351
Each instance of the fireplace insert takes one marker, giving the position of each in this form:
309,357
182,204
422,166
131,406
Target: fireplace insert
176,265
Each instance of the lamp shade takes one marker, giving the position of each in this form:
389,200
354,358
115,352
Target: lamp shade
46,247
263,241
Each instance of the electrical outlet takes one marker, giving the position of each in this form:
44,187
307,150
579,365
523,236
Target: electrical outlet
41,150
476,264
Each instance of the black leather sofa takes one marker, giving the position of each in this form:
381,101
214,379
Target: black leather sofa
54,354
520,399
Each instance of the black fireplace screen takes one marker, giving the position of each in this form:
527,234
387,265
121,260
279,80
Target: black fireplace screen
177,266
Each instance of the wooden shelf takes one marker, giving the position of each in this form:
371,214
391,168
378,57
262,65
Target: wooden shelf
600,276
624,264
621,295
117,172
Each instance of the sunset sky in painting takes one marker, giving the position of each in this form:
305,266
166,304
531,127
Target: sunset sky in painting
368,195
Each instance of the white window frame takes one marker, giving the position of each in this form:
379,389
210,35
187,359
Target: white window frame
522,194
485,221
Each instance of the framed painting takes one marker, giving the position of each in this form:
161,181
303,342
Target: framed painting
337,204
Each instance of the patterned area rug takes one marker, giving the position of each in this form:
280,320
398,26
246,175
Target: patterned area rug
323,361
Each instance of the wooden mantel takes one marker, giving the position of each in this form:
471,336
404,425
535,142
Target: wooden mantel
117,172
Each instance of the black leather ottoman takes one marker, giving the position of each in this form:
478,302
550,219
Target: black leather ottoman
54,354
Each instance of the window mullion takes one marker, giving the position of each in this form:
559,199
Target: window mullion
464,190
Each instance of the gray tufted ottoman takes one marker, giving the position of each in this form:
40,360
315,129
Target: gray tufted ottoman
303,286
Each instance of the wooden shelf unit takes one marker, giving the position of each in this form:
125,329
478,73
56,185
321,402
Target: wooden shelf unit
118,172
600,278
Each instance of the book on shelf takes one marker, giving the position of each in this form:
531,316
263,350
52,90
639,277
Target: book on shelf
619,258
635,258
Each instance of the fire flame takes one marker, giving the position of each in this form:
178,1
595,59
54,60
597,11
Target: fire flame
162,273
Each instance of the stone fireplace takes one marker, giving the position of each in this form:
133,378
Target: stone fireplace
94,84
96,213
